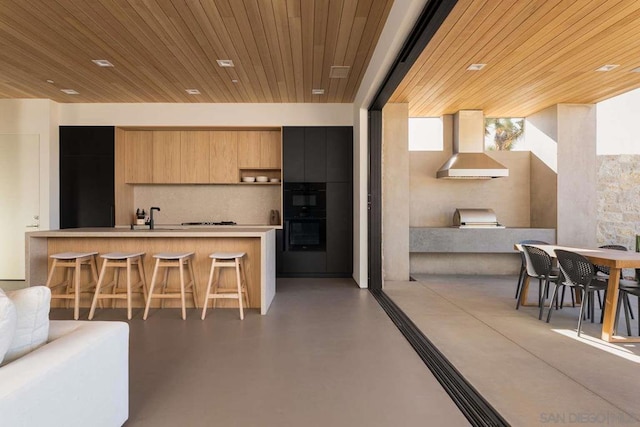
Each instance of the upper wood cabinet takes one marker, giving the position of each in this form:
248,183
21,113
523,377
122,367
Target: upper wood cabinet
223,157
259,149
249,149
199,156
270,149
166,157
194,157
138,157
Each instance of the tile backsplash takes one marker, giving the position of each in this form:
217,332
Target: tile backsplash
244,204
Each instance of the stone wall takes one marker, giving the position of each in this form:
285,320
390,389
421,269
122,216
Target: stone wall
618,200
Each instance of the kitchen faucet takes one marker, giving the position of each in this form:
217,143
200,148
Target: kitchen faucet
153,208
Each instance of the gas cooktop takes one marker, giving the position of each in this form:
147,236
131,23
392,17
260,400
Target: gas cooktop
210,223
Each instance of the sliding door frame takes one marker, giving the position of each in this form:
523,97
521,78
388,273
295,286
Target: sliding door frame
430,20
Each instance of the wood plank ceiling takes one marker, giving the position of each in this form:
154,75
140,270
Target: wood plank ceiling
281,49
538,53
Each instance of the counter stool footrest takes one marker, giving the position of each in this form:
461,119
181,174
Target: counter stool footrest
120,261
167,260
213,292
73,262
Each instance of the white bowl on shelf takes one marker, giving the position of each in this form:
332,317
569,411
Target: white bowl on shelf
262,179
274,180
248,179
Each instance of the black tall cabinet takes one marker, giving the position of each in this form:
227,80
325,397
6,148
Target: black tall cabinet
322,155
87,176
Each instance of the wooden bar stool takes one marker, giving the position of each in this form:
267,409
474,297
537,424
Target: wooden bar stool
169,260
226,260
120,261
73,262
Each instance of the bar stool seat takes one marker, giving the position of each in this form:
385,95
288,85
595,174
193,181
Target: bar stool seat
226,260
169,260
120,261
72,262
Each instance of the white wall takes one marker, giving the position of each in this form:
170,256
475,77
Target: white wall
149,114
617,128
39,117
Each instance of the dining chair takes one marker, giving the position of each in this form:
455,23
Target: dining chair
577,273
523,265
603,272
626,288
540,266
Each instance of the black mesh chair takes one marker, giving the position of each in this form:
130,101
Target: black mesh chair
523,266
626,288
540,266
603,273
578,273
604,270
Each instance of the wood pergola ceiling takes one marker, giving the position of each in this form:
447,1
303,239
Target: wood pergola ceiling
538,54
281,49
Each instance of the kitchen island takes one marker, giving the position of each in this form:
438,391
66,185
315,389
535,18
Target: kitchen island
257,242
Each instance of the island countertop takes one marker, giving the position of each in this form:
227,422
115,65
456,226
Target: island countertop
159,231
258,243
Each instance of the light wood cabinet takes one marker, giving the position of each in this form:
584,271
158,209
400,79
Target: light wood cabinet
249,143
259,150
138,157
270,149
200,156
223,157
166,157
194,157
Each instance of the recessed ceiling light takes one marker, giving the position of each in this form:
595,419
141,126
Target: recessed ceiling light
339,72
607,67
70,91
636,70
192,91
102,62
234,81
476,67
317,91
225,62
50,81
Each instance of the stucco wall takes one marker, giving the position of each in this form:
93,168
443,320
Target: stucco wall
577,198
395,192
433,200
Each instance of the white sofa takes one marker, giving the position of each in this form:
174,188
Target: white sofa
79,378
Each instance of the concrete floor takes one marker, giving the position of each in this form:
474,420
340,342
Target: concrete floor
326,354
532,372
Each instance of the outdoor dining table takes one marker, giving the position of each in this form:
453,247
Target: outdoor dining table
616,261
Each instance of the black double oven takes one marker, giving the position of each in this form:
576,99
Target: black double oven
305,207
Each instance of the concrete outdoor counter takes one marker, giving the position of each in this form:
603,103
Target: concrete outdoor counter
257,242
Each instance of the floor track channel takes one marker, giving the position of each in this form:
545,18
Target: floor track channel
477,410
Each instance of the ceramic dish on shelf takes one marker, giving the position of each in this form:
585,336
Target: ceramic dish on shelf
262,179
274,180
248,179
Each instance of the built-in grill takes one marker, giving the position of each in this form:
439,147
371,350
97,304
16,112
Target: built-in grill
475,218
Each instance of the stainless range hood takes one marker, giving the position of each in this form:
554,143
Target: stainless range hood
469,160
